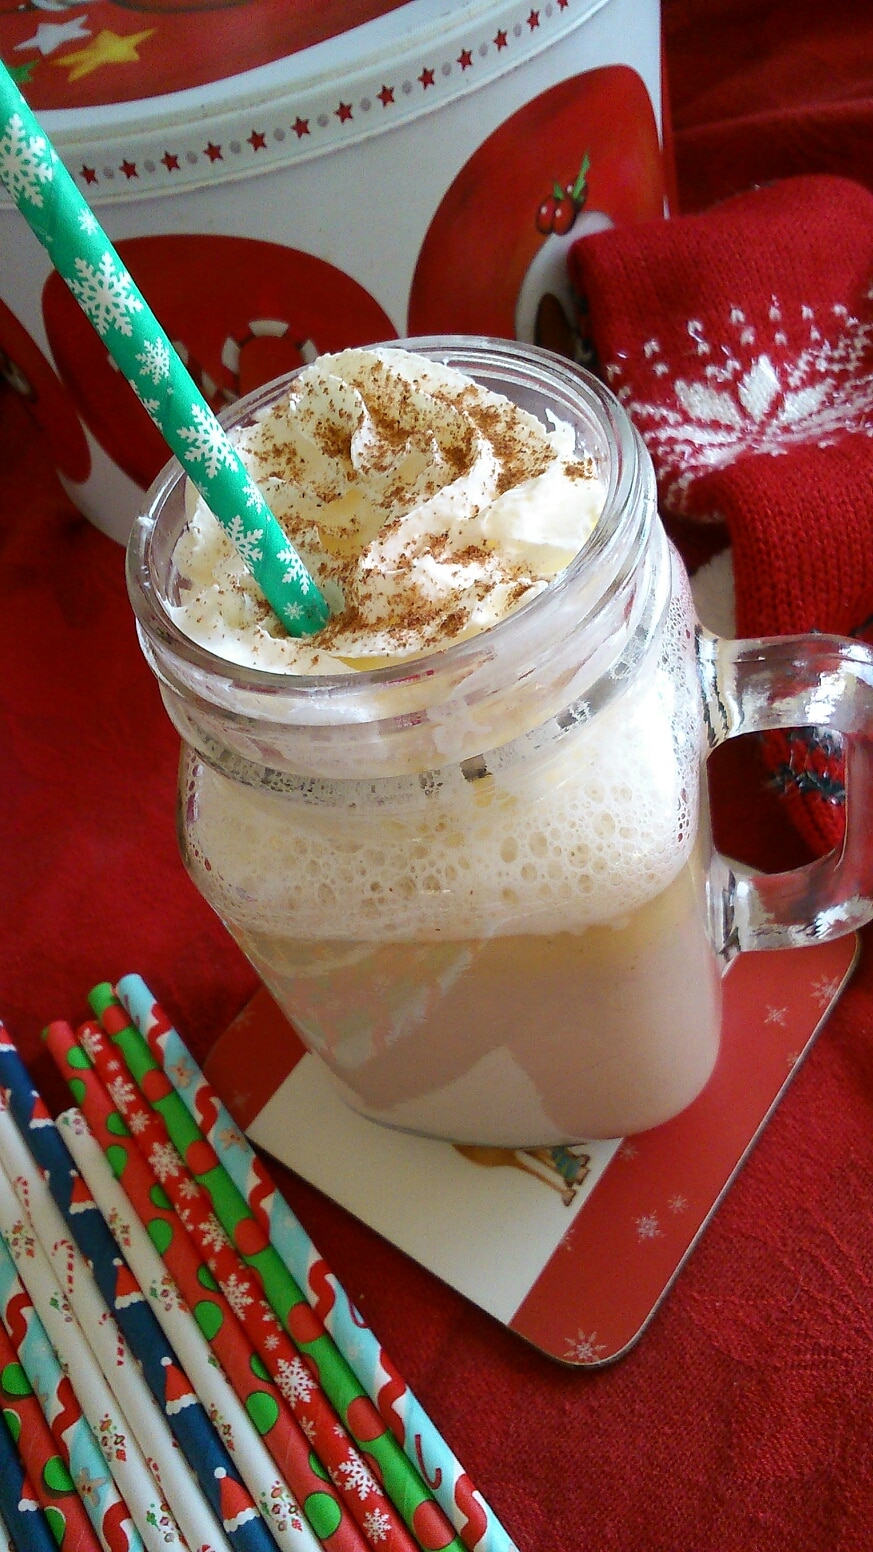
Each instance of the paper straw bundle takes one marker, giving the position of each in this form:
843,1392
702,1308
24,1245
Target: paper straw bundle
177,1387
144,1103
263,1401
149,1071
472,1518
309,1375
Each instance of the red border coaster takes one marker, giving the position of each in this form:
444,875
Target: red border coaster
591,1294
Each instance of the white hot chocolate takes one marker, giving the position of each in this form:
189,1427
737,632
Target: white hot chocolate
518,960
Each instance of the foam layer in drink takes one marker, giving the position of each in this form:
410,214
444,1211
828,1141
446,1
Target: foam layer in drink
596,826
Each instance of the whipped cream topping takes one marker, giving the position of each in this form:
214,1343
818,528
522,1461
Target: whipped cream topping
426,508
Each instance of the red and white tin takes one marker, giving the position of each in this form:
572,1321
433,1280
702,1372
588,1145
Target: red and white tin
422,171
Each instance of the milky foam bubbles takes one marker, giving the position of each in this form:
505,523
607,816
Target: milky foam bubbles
584,833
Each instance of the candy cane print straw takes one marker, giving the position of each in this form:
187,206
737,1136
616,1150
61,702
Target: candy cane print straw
109,1286
52,1332
180,1328
375,1514
80,251
80,1401
403,1481
54,1273
264,1402
46,1468
471,1516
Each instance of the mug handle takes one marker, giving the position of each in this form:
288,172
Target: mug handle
791,682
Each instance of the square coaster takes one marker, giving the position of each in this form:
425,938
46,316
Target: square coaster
571,1248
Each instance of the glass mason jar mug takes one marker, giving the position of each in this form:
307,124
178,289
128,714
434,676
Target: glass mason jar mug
481,883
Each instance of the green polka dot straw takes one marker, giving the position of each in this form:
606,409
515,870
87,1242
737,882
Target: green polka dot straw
80,251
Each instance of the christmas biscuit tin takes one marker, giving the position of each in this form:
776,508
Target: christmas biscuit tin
278,187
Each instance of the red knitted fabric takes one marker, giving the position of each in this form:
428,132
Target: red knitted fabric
763,91
741,343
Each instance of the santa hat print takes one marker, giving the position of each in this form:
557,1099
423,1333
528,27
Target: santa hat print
40,1115
127,1289
178,1393
236,1505
28,1503
81,1199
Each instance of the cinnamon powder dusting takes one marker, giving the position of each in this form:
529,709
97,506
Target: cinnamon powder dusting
411,494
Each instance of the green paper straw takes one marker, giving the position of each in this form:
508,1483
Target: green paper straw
399,1478
80,251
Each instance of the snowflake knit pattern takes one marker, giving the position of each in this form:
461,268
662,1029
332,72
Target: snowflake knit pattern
741,343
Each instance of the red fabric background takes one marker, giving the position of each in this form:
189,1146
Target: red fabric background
742,1420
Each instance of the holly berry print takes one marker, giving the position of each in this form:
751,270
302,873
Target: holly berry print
264,1403
473,1519
559,210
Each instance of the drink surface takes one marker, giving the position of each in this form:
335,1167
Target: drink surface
425,506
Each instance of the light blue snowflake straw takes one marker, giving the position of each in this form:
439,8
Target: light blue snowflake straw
80,251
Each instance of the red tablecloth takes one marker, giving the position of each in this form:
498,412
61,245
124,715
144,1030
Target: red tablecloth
743,1419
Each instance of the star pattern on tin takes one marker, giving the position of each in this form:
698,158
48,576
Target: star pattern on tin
50,35
107,48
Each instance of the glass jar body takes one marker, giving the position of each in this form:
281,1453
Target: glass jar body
481,883
515,950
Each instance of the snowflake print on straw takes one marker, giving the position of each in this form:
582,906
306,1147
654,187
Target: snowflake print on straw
288,1446
474,1519
80,251
185,1337
331,1407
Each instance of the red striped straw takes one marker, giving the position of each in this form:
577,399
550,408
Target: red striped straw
474,1520
264,1402
362,1495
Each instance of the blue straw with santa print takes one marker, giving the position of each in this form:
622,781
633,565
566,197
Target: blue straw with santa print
81,252
210,1462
